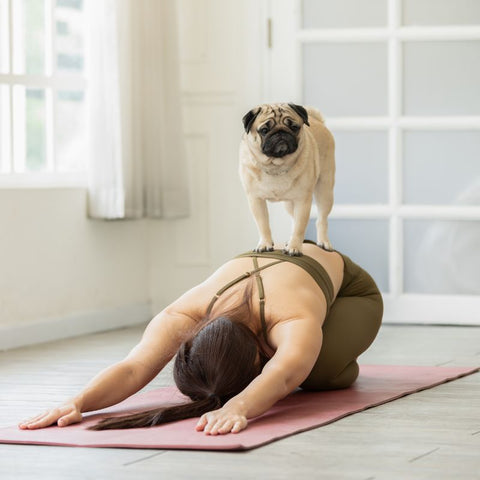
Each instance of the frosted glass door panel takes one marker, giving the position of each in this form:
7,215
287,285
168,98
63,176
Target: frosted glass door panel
441,12
364,241
442,78
344,13
362,167
346,79
442,257
442,168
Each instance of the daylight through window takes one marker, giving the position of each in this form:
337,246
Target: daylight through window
42,86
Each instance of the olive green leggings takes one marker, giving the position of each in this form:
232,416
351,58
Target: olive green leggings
350,327
351,323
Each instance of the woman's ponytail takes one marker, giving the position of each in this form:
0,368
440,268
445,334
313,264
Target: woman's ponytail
210,368
157,416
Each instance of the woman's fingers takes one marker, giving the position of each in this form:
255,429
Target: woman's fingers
36,417
213,427
47,418
226,427
221,421
38,420
239,426
72,417
24,423
223,427
201,424
211,420
207,422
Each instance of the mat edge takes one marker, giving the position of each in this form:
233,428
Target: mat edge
466,371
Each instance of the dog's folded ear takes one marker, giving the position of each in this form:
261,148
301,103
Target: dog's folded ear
301,111
250,117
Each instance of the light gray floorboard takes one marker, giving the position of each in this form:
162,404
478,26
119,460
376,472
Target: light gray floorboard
434,434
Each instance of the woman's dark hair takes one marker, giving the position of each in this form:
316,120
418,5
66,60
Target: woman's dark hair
214,365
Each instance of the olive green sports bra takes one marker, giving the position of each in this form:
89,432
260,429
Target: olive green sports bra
309,264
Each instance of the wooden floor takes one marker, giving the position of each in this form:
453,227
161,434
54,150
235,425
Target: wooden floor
433,434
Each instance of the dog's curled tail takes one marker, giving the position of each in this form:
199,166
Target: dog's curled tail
315,113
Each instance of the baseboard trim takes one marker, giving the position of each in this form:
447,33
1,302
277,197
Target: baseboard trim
72,325
427,309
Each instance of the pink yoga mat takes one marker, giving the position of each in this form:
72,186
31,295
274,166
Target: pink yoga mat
298,412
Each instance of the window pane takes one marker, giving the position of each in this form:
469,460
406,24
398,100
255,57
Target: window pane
362,167
35,130
29,129
29,36
69,35
364,241
344,13
346,79
70,131
5,153
442,257
441,167
4,40
442,78
441,12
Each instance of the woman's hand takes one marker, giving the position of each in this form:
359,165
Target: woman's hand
64,415
221,421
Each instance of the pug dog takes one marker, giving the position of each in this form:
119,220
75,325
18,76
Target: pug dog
288,155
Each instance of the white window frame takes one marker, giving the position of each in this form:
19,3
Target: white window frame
282,59
51,81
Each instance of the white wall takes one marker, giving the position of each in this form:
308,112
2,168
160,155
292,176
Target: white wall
221,81
62,274
57,268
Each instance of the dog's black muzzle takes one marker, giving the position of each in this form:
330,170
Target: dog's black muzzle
279,143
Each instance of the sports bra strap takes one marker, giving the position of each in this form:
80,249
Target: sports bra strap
261,296
259,284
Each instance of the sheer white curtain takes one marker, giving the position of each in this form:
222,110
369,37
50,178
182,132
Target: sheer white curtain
137,161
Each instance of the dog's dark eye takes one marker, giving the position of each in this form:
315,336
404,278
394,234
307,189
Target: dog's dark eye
294,127
263,130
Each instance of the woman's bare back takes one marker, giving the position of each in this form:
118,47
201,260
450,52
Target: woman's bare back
290,292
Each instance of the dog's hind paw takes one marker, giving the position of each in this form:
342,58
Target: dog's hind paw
326,246
293,251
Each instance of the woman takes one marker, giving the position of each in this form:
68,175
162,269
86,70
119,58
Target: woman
243,342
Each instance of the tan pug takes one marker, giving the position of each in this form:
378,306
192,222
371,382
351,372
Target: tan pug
287,154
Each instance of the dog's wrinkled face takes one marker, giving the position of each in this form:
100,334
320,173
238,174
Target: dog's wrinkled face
276,127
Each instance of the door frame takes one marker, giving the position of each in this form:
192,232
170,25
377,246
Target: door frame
282,59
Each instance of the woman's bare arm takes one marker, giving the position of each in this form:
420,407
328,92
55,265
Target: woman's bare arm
299,342
160,341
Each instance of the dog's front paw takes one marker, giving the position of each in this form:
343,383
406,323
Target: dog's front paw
293,249
326,245
264,246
